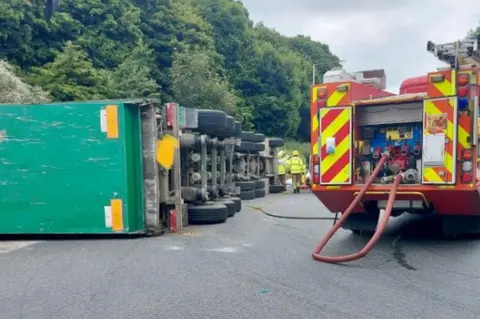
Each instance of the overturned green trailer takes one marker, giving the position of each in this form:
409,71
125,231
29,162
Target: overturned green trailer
83,168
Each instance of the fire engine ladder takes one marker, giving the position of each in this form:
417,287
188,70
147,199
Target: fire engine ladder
458,54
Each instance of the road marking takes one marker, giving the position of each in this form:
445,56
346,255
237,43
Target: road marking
174,248
10,246
223,249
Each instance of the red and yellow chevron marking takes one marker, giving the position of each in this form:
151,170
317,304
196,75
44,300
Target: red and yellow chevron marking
336,98
314,119
443,174
442,89
336,123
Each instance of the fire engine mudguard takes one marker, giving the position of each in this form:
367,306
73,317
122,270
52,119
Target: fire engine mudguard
380,227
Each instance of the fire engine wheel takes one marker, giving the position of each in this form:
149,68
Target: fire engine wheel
210,120
247,136
259,184
259,193
259,147
275,189
207,213
247,194
245,186
231,206
245,147
276,142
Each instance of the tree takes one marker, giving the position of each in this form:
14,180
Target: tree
14,91
133,78
71,76
196,84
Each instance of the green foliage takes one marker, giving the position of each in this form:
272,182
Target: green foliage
200,53
302,147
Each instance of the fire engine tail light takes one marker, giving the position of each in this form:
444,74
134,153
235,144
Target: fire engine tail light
463,92
467,166
316,169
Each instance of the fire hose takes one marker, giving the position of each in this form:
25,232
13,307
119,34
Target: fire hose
380,227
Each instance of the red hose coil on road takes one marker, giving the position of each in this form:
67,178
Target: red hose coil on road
380,227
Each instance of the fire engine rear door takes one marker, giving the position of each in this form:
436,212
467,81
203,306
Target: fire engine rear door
335,145
439,140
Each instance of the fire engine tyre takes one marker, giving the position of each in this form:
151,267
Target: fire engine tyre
259,193
276,142
245,147
247,195
247,136
207,213
259,147
232,207
245,186
210,120
259,184
258,138
275,189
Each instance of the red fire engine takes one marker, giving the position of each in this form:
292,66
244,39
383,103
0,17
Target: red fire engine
414,152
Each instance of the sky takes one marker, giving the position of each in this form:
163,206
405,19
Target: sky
373,34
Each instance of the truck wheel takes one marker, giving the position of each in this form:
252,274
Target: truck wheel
259,184
247,136
275,189
245,147
210,120
227,130
259,147
237,132
245,186
238,203
259,193
231,206
207,213
247,194
276,142
258,138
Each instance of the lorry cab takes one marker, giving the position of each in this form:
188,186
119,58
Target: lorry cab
429,137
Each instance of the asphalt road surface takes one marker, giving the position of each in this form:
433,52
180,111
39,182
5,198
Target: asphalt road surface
253,266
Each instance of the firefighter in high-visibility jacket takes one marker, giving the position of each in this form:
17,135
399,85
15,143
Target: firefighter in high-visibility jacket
282,167
296,170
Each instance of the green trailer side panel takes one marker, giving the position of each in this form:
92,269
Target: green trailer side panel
59,171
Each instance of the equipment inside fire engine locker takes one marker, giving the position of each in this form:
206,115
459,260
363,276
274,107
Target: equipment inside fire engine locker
403,144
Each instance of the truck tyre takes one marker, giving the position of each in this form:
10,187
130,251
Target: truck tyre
259,193
207,213
237,132
209,121
245,147
275,189
238,203
259,147
258,138
259,184
245,186
228,129
247,194
276,142
247,136
231,206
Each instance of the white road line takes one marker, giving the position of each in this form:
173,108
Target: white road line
10,246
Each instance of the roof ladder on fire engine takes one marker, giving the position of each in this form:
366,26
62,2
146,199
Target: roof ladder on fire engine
458,54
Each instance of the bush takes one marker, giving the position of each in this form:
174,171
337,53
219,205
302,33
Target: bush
14,91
